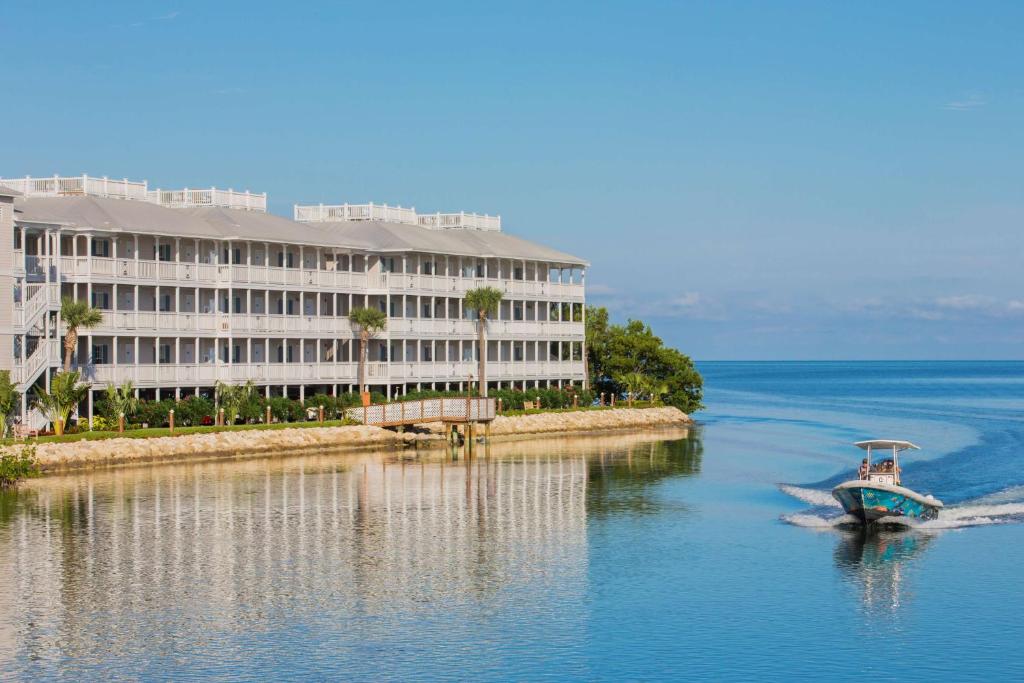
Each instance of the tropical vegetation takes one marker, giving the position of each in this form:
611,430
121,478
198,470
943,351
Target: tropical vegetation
121,401
484,301
9,399
631,360
75,315
16,465
66,392
370,322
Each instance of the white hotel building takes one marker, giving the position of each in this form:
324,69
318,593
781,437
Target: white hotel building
200,286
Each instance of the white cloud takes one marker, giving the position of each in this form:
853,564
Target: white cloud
687,300
971,101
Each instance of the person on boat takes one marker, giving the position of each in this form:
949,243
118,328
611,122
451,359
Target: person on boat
862,471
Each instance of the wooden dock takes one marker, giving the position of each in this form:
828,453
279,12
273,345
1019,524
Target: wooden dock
450,410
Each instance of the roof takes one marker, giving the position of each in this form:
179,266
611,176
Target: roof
8,192
99,213
886,444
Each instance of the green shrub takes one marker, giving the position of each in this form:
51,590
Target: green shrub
191,411
17,465
103,424
284,409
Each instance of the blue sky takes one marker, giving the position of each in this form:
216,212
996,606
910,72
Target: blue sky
758,180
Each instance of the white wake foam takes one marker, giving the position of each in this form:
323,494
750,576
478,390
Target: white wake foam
818,522
1013,494
812,496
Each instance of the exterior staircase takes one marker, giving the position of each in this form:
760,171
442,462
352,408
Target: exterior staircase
30,316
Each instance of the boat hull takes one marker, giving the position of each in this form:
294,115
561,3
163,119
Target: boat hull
870,502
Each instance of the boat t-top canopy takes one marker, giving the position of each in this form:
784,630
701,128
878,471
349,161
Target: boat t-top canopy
879,444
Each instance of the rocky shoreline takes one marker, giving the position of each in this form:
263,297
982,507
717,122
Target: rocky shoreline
262,443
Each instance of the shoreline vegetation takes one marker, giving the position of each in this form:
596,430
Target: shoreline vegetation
286,439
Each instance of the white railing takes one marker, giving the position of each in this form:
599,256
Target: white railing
425,410
58,186
460,221
327,213
46,352
204,374
189,272
40,296
188,198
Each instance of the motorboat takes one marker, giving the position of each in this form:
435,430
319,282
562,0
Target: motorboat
878,492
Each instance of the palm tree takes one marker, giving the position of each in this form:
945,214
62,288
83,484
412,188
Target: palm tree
234,399
635,383
485,301
76,314
122,401
370,321
9,398
65,393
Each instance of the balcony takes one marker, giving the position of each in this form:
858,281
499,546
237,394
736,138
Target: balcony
206,374
172,324
174,273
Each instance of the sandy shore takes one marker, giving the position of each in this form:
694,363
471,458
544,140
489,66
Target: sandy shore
258,443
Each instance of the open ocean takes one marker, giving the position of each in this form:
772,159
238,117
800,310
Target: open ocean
710,553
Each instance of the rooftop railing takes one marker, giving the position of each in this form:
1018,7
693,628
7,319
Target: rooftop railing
329,213
84,185
460,221
189,198
57,186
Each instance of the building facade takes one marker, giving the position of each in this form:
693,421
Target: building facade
201,286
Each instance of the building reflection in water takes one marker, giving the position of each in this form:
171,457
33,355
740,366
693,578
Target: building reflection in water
105,566
877,562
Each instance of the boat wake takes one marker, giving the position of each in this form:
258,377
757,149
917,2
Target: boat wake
980,512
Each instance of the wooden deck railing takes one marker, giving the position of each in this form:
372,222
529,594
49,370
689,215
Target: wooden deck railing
448,409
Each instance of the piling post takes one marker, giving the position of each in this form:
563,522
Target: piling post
170,420
267,418
120,422
321,414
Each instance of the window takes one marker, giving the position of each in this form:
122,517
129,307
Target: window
100,354
165,353
426,310
387,265
238,304
163,252
101,300
236,354
237,255
165,302
480,269
428,353
428,267
101,248
517,273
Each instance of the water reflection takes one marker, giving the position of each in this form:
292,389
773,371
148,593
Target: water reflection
877,562
108,572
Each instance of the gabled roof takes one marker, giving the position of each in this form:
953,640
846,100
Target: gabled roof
219,223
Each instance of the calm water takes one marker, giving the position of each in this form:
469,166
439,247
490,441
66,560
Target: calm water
707,554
